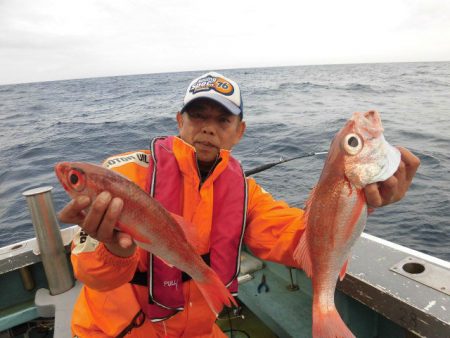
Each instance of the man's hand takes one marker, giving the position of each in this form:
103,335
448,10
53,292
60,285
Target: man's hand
99,222
394,188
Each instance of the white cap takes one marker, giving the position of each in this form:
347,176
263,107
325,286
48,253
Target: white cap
216,87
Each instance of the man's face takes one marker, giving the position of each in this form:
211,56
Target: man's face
208,127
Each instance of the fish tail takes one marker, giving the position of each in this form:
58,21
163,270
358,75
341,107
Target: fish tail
215,292
329,324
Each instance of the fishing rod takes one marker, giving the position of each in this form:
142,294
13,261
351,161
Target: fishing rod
270,165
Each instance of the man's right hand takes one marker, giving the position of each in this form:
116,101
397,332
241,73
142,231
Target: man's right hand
99,221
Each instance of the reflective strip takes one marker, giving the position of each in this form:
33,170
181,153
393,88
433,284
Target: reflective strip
138,157
84,243
152,147
244,223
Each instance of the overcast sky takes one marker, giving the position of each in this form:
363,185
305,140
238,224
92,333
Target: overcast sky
44,40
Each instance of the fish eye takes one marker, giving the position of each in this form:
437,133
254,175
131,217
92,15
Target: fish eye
353,144
73,178
76,179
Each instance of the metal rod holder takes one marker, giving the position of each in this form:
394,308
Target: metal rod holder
48,236
292,286
27,278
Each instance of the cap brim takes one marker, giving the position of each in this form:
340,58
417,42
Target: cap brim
227,104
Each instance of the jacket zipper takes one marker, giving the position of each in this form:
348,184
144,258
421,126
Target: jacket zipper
218,159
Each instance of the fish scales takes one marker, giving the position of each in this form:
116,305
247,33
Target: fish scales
336,212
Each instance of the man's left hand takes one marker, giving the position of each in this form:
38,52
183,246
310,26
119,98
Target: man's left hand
395,187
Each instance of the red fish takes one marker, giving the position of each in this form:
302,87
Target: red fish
336,212
149,223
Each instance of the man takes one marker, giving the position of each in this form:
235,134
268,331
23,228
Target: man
128,291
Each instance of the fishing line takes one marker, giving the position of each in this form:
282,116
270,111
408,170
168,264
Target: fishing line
270,165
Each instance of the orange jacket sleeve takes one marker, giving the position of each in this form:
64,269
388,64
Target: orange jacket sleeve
273,228
98,268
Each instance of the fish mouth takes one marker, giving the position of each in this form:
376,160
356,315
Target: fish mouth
369,124
61,169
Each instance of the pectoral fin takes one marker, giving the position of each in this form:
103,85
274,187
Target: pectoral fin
343,270
302,257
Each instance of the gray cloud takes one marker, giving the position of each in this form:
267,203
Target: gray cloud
59,39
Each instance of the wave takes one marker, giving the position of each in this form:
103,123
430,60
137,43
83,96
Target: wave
5,89
302,86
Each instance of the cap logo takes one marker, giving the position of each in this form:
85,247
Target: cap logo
215,83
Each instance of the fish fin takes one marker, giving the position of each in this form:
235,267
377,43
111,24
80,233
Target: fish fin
140,239
343,270
168,264
215,292
302,257
358,214
189,229
329,324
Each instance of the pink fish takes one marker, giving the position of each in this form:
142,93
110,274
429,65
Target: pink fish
149,223
336,212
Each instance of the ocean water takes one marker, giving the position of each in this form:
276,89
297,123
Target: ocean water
289,111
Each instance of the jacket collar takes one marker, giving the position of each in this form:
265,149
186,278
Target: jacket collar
187,160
